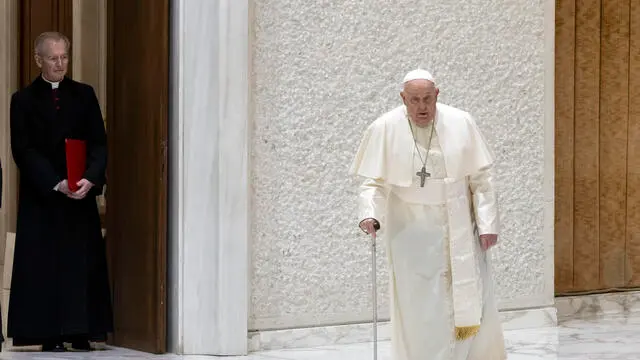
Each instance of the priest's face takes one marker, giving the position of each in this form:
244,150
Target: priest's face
420,98
53,60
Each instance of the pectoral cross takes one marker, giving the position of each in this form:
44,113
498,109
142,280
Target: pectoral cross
423,176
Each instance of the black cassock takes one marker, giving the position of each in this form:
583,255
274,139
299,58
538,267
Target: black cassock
59,287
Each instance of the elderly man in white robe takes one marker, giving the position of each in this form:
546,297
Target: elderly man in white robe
428,189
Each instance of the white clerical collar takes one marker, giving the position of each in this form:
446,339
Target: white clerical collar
54,85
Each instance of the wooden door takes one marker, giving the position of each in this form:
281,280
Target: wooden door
36,17
597,224
137,99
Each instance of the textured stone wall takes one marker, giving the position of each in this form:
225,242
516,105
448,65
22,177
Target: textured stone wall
322,71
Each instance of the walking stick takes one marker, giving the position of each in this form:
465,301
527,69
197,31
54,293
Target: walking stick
374,288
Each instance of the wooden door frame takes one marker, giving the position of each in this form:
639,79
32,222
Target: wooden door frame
23,68
9,81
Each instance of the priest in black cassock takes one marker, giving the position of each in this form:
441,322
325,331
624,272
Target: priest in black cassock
59,289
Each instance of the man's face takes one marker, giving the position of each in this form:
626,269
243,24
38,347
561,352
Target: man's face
54,60
420,97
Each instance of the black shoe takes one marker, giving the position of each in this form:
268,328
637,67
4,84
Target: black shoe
80,346
53,347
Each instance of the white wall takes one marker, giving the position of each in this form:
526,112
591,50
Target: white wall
322,71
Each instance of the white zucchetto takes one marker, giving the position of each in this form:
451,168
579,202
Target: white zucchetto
418,74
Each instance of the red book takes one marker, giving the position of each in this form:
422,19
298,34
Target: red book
76,161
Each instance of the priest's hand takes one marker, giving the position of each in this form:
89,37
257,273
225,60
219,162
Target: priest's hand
63,187
85,185
488,240
370,226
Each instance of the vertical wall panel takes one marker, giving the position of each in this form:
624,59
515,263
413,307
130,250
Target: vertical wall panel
564,144
633,168
587,100
614,116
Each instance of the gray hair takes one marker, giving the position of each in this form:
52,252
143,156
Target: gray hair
49,35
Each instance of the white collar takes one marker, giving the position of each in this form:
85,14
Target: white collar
54,85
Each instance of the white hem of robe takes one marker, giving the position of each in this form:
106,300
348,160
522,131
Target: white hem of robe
420,285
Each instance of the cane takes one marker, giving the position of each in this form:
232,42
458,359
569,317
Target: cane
374,290
374,296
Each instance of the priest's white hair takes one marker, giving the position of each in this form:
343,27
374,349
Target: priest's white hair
38,45
418,74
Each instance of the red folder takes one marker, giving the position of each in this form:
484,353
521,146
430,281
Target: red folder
76,161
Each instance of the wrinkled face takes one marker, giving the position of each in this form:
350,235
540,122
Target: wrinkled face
53,60
420,97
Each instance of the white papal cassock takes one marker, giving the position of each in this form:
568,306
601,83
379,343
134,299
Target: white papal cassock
442,300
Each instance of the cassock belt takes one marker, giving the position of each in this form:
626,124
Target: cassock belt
434,192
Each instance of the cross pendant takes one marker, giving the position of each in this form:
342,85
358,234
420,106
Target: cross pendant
423,175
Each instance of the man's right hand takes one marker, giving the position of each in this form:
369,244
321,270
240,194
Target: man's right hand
369,226
63,187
